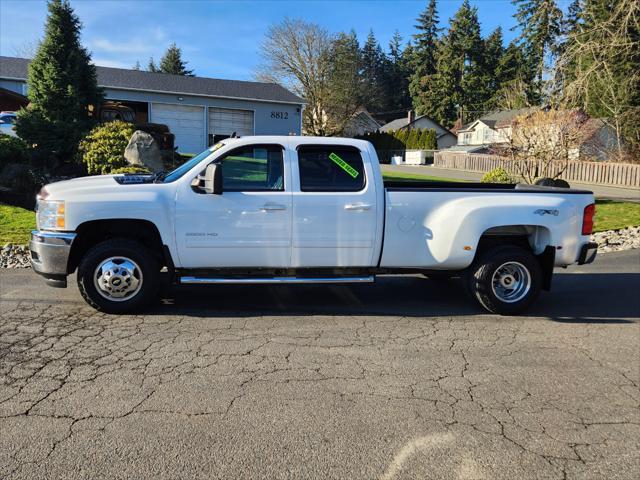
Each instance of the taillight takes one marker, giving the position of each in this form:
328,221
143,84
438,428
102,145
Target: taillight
587,219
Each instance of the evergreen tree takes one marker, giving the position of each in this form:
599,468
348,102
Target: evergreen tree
171,62
137,66
396,77
541,24
493,52
458,86
344,95
372,74
424,52
151,66
62,87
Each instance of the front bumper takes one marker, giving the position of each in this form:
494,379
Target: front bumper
50,255
588,253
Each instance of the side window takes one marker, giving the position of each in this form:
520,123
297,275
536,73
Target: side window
330,169
253,168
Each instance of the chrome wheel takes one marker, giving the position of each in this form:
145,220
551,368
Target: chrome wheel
118,279
511,282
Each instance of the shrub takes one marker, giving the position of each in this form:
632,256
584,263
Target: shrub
497,175
102,150
12,150
133,169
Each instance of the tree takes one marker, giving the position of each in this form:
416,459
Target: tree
344,94
296,54
424,55
397,76
600,68
62,86
458,88
171,62
151,66
492,54
541,144
541,24
373,66
137,66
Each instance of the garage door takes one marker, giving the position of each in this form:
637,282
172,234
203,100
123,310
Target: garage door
185,122
225,121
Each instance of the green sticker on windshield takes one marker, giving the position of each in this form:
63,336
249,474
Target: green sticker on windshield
343,165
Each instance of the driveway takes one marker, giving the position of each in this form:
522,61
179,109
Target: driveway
402,379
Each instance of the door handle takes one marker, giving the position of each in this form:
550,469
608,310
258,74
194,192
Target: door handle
271,207
357,206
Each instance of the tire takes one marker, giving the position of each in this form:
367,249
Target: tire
127,269
546,182
490,276
559,182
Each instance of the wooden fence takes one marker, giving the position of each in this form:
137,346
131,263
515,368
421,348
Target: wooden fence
601,173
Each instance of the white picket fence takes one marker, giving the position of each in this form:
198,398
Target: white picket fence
601,173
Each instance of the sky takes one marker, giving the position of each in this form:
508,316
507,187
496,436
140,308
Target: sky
221,39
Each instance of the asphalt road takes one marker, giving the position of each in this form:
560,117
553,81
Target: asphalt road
401,379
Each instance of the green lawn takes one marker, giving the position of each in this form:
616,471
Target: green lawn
415,177
16,223
613,215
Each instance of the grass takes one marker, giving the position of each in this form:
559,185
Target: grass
413,177
16,223
613,215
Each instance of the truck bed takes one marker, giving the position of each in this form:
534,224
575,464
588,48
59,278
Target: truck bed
418,185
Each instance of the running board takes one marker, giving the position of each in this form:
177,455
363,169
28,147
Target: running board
275,280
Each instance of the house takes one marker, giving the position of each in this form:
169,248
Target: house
488,132
444,137
494,128
360,123
199,111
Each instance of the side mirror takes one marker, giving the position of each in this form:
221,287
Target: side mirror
213,179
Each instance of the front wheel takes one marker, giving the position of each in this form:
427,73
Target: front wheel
505,280
118,276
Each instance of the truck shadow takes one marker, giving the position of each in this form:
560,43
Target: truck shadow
575,298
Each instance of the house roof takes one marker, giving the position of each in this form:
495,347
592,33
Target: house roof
404,122
502,118
120,78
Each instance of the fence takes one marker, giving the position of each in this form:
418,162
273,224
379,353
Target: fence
602,173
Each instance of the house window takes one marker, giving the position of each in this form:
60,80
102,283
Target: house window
488,135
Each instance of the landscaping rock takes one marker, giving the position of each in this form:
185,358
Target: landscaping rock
143,150
15,256
616,240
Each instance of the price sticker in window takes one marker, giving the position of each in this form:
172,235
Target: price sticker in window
343,165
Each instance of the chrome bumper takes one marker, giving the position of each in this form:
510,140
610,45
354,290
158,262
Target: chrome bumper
50,255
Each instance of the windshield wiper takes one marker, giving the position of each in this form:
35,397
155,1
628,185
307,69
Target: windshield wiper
159,176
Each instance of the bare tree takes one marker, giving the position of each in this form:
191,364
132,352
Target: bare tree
596,74
26,49
298,55
541,144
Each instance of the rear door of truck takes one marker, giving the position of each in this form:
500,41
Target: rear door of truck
335,208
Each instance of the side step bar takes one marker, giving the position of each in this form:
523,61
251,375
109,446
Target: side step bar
274,280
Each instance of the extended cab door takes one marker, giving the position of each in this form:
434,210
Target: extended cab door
334,208
249,224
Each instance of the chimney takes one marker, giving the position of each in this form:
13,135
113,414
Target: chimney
410,116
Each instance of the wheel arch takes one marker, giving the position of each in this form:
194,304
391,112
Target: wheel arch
90,233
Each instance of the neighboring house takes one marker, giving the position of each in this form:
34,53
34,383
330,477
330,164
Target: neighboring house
360,123
11,101
199,111
482,135
444,137
490,129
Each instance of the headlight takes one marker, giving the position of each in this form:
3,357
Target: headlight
50,214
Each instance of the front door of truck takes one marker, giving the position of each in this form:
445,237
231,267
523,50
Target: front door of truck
249,224
334,208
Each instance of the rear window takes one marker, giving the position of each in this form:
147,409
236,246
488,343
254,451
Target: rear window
330,169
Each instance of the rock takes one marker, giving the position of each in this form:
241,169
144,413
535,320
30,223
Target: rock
144,151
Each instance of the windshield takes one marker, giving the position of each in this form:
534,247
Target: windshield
185,167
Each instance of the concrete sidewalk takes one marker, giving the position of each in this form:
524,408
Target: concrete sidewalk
601,191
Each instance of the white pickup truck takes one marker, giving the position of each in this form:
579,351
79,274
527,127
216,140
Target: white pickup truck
279,210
